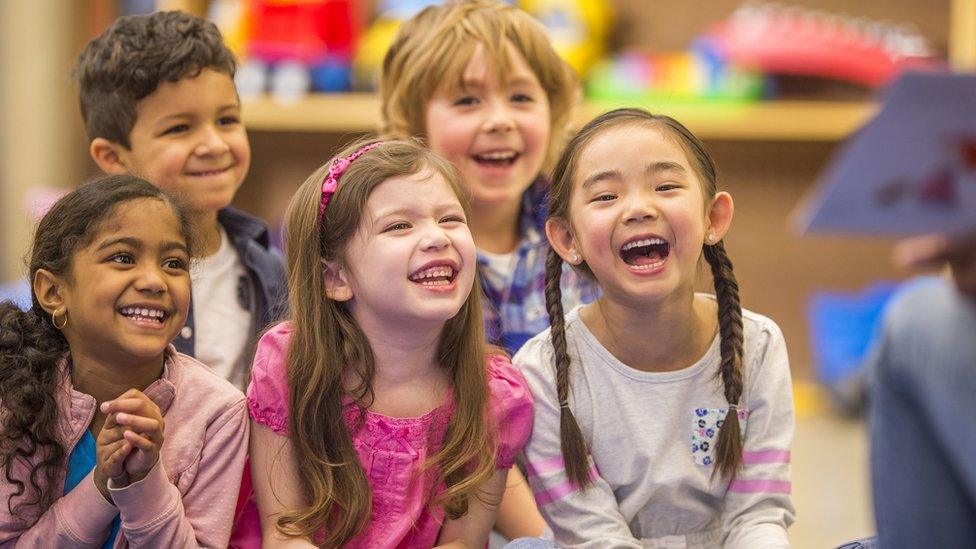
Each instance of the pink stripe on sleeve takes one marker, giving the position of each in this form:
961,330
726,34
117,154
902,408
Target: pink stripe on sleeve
766,456
543,466
560,491
754,486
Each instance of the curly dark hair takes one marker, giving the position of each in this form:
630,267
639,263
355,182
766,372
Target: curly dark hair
133,57
30,346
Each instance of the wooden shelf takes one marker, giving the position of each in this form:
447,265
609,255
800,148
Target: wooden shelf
768,120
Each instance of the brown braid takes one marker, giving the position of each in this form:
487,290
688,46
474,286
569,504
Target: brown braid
571,438
728,450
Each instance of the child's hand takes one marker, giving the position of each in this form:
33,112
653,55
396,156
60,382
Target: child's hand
111,449
142,426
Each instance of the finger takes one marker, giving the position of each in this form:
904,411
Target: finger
921,252
140,442
128,405
138,423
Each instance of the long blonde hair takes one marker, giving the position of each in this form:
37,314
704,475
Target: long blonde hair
327,344
436,46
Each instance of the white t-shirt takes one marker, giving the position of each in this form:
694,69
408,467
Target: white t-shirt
221,323
498,268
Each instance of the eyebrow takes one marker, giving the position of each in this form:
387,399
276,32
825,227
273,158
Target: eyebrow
653,168
184,115
138,244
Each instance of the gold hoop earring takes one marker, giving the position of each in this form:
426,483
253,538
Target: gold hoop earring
54,320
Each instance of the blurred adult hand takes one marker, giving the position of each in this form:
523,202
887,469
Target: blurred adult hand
936,250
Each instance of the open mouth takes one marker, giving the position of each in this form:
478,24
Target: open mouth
497,158
439,275
144,314
645,253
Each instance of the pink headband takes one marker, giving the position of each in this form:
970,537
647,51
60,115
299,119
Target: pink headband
339,165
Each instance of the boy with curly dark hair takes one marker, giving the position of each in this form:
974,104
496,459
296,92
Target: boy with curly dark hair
158,100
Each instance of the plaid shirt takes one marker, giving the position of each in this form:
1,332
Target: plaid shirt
516,312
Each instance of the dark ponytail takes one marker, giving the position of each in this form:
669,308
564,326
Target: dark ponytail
728,448
31,347
571,438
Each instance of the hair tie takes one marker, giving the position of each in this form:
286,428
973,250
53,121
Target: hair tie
734,407
339,165
565,405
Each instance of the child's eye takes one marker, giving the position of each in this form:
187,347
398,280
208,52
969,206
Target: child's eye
179,128
453,219
605,197
667,187
400,226
228,121
465,101
122,259
175,263
522,98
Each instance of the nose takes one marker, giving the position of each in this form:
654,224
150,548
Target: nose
212,142
499,117
639,208
151,280
435,239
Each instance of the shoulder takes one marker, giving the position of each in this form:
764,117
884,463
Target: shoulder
201,389
510,407
764,347
267,394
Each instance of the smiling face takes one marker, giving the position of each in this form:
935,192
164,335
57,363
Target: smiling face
129,289
412,259
188,139
639,220
495,131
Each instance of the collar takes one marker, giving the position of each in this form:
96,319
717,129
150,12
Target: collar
242,225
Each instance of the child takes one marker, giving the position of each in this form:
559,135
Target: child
158,99
108,436
481,82
663,417
380,416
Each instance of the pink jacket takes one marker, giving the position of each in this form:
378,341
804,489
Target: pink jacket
186,500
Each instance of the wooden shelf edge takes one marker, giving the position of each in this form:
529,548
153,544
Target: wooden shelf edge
771,120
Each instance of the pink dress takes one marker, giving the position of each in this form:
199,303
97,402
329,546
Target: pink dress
392,450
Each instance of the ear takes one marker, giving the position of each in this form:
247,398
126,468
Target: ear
719,217
109,156
49,289
337,287
561,238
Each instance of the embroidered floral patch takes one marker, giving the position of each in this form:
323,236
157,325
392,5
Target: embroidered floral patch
705,424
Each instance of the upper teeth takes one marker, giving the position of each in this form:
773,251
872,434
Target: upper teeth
433,272
644,242
498,155
152,313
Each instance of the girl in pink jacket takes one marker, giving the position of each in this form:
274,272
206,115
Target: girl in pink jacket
108,436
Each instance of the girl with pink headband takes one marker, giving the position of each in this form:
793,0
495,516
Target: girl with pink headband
380,416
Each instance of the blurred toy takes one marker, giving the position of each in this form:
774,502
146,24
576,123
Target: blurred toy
378,37
695,75
290,47
578,28
788,40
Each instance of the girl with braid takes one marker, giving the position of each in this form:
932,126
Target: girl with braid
663,417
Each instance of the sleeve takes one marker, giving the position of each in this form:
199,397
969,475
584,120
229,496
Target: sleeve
81,518
511,408
586,518
267,394
155,514
758,509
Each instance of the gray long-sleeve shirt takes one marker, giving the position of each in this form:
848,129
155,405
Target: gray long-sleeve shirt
651,437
